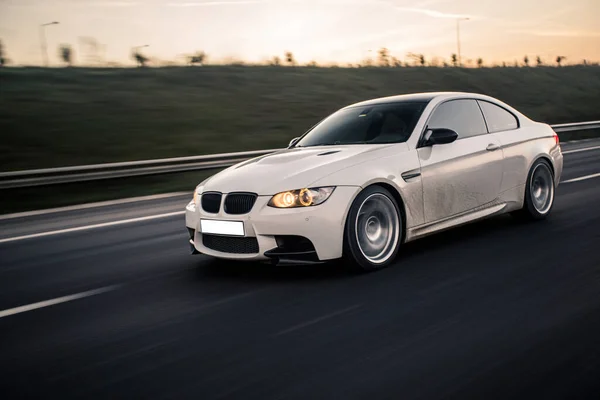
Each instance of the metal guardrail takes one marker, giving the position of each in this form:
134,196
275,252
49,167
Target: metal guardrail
84,173
576,126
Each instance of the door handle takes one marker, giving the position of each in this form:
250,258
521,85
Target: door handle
492,147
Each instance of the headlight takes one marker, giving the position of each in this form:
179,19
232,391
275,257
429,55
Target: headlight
301,197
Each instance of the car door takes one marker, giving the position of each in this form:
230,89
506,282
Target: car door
465,174
504,126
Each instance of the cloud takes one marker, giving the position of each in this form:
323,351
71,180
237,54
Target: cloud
209,3
213,3
432,13
123,3
557,33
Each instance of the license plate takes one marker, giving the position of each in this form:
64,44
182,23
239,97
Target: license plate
231,228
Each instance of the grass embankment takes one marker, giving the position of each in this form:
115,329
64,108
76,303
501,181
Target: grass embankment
57,117
71,116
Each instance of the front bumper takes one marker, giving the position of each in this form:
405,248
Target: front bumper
323,225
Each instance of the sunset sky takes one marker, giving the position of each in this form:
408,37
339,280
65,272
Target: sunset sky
339,31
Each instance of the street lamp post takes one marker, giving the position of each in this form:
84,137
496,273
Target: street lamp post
458,37
43,41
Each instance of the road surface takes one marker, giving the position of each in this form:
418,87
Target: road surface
495,309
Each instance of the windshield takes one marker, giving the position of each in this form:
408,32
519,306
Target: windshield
381,123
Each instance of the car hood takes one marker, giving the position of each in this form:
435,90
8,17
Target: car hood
294,168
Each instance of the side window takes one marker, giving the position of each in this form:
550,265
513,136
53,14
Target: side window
462,116
497,118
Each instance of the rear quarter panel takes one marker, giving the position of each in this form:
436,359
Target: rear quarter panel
522,147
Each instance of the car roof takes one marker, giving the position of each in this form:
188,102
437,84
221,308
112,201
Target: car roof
418,98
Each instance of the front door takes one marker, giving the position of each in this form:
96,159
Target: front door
463,175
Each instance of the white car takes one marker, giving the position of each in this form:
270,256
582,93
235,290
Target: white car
375,175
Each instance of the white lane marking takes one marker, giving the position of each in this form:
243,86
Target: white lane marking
582,178
579,150
316,320
88,227
94,205
58,300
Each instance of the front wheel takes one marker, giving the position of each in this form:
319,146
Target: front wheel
373,230
539,192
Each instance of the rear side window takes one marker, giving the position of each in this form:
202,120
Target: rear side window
462,116
497,118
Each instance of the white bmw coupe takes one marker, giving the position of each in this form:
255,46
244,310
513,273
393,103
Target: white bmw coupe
375,175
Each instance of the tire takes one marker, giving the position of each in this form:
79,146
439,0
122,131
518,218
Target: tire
374,230
539,192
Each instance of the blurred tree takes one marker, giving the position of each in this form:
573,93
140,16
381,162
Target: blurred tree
435,62
276,61
139,58
2,57
417,59
454,59
445,64
229,60
503,64
90,51
538,61
526,61
516,64
560,59
197,58
66,54
480,62
289,58
396,62
384,57
312,64
585,62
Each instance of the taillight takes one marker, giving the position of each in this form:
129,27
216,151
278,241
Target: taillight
556,139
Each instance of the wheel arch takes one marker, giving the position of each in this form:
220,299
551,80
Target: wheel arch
546,158
397,196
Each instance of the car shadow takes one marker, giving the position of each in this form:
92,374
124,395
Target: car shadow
265,272
458,236
410,256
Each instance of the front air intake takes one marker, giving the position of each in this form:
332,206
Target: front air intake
239,203
230,244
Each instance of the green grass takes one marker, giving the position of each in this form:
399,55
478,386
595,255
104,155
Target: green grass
72,116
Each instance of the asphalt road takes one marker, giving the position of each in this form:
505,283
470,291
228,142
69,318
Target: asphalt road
495,309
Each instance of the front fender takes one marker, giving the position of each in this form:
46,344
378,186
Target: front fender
385,170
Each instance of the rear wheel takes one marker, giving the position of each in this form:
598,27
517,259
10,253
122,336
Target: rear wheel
373,230
539,192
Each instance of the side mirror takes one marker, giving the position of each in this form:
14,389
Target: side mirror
439,136
293,141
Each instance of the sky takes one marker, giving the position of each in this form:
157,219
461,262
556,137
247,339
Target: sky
326,31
